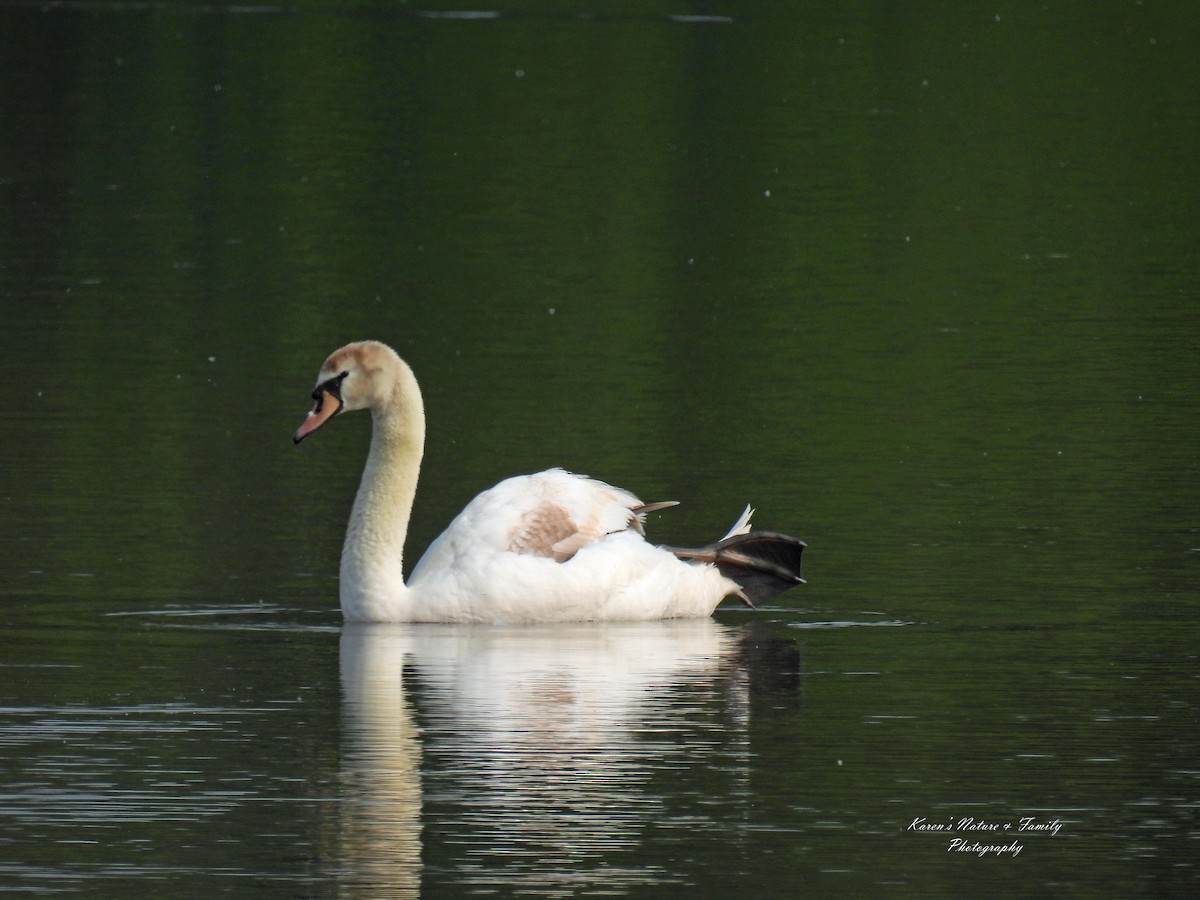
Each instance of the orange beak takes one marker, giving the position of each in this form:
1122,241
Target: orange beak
327,407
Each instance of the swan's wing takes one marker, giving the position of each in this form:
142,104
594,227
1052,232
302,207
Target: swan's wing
547,530
552,514
567,512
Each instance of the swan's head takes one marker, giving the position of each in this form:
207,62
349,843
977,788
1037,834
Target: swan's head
361,375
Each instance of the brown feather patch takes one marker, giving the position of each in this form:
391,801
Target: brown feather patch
546,530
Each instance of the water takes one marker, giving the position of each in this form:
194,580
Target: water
918,283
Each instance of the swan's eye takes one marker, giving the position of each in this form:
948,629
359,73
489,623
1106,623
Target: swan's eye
331,386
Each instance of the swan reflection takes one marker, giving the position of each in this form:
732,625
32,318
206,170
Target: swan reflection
380,835
543,754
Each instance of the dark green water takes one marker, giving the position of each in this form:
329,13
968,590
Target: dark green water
919,281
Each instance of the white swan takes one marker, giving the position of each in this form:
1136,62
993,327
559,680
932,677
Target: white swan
549,547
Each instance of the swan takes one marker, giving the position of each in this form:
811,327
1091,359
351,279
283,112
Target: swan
549,547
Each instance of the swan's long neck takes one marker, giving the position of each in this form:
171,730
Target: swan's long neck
372,577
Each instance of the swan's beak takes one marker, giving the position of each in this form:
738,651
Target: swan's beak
328,406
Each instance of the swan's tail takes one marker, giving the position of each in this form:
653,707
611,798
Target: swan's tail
742,525
762,564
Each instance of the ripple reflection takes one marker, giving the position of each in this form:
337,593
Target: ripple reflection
533,757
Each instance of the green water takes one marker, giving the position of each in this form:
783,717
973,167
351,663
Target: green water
917,281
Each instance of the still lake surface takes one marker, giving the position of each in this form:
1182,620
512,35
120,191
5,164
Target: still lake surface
918,281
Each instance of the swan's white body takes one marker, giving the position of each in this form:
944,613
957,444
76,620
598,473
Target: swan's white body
490,563
549,547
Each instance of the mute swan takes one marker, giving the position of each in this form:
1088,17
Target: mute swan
549,547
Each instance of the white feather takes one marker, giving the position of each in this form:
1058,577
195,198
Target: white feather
742,525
